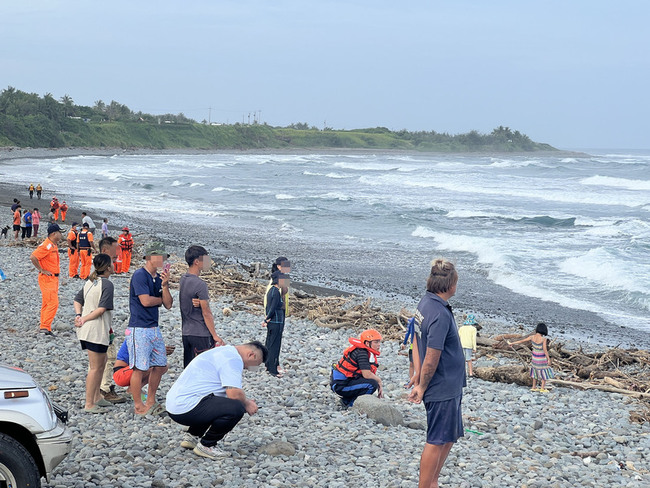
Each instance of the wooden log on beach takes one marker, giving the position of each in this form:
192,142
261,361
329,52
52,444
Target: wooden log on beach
591,386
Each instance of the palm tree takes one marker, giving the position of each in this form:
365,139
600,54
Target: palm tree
67,104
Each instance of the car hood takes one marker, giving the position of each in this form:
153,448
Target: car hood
12,378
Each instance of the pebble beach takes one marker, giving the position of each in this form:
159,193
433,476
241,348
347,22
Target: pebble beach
301,436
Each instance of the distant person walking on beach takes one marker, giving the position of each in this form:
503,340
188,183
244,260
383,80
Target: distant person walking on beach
39,191
274,322
467,335
198,329
36,221
442,371
23,225
64,210
148,290
93,307
27,217
31,191
125,241
105,228
85,247
541,362
208,396
356,373
73,251
85,219
45,259
55,205
17,219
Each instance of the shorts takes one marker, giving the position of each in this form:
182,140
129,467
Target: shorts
16,227
91,346
468,354
122,376
444,421
146,348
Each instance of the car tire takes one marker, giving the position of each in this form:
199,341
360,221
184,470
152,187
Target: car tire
17,466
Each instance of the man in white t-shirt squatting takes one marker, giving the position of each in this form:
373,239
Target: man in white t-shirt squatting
208,395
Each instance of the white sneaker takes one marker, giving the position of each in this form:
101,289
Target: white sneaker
214,452
189,441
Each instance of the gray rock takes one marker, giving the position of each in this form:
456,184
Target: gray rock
278,448
381,411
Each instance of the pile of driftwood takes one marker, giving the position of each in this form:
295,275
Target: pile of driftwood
246,286
623,371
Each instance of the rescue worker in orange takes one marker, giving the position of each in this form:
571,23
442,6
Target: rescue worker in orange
356,373
85,246
45,259
125,240
55,205
73,252
64,210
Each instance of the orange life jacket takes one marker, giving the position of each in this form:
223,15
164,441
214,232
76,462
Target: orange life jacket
349,367
126,242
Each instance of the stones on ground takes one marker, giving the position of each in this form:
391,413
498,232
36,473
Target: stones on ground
379,410
278,448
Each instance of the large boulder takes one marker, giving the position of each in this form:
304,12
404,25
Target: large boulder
379,410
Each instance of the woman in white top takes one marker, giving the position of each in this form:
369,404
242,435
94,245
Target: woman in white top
93,306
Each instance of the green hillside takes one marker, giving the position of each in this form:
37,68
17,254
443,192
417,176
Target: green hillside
29,120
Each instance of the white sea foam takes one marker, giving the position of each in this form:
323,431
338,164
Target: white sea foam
608,270
284,196
609,181
197,184
367,166
334,196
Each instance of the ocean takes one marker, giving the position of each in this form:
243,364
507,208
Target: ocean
569,230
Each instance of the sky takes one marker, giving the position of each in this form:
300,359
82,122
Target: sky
571,74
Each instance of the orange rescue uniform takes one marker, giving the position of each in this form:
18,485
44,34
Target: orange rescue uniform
125,241
73,254
48,259
84,244
55,206
64,210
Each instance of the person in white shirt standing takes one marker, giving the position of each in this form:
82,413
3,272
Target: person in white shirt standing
87,220
208,396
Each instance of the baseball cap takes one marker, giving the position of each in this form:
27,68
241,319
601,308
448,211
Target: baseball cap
156,248
53,228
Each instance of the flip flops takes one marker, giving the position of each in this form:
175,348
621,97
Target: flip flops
150,410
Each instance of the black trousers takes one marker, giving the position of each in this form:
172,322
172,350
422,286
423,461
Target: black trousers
212,418
274,332
195,345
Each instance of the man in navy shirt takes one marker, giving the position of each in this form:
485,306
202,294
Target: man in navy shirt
442,372
147,292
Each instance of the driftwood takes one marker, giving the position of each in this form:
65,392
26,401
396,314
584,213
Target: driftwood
610,389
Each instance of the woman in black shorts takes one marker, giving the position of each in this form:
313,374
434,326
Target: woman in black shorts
93,306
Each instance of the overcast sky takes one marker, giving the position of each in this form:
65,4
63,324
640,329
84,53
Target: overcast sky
573,74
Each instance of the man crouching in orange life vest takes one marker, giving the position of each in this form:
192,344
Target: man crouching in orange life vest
355,374
45,259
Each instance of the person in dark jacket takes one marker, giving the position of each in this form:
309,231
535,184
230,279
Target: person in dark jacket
274,321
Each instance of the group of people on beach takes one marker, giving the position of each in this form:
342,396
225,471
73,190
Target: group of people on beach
208,397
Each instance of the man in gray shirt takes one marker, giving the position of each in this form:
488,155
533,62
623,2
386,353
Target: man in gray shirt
197,320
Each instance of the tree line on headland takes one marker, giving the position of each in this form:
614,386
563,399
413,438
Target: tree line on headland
29,120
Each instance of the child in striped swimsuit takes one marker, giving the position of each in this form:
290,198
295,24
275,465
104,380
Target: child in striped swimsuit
541,362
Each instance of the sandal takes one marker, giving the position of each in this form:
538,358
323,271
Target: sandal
149,410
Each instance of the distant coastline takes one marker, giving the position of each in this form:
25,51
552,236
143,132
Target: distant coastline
8,153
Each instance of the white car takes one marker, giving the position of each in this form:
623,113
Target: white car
33,436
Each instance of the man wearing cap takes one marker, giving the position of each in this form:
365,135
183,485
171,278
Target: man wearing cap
45,259
148,290
85,247
125,241
54,204
73,252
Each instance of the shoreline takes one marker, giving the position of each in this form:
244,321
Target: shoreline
10,153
